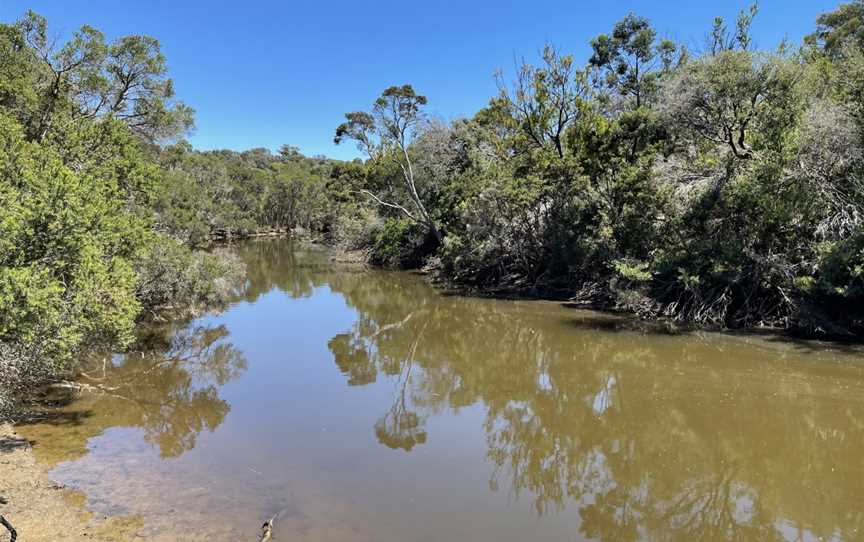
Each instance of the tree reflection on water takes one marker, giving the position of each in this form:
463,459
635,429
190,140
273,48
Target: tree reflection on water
672,438
681,438
168,387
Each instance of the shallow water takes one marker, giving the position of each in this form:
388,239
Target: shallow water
363,405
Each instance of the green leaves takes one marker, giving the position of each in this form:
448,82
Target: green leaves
400,101
728,97
724,40
394,117
840,29
87,78
386,135
65,274
360,126
545,101
632,59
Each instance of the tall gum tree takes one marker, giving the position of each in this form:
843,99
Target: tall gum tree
389,130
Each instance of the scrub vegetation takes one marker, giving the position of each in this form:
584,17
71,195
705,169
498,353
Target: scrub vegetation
722,187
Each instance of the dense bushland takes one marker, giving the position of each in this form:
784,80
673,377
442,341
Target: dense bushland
107,216
78,187
720,187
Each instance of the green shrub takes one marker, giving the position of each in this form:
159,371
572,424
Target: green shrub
174,281
400,243
66,279
355,231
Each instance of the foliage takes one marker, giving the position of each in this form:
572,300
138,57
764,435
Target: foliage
632,58
87,78
385,135
171,277
545,101
399,244
837,28
68,246
212,194
85,196
721,189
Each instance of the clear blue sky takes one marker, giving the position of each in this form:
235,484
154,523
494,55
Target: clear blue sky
261,73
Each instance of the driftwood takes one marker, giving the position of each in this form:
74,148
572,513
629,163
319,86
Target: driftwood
83,387
13,535
266,530
267,527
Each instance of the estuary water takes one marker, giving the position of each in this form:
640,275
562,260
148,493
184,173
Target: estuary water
364,405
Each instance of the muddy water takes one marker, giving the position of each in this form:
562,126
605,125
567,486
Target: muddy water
364,406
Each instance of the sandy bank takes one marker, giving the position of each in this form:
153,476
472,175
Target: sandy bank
41,510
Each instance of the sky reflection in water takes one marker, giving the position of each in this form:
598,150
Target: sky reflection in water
364,405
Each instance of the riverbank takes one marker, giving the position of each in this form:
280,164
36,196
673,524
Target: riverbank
591,297
627,302
43,511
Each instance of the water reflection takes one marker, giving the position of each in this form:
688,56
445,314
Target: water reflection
594,430
276,264
297,272
690,438
168,386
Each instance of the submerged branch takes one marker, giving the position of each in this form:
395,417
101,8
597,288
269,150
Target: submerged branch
267,526
13,534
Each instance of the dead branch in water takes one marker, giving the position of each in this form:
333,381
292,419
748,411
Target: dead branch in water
82,387
267,530
13,535
267,527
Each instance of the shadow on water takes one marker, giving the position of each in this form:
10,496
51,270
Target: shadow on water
10,444
59,417
610,323
613,321
819,346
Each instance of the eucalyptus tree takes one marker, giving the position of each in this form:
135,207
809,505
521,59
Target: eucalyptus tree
387,132
633,59
546,100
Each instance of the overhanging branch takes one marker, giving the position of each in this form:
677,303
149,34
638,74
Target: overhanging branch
383,203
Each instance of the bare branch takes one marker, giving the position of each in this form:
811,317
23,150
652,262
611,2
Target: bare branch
396,206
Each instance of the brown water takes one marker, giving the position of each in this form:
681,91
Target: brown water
363,405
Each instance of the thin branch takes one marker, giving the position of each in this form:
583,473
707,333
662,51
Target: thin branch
13,534
405,211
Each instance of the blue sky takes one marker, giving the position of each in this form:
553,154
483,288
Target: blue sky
261,73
